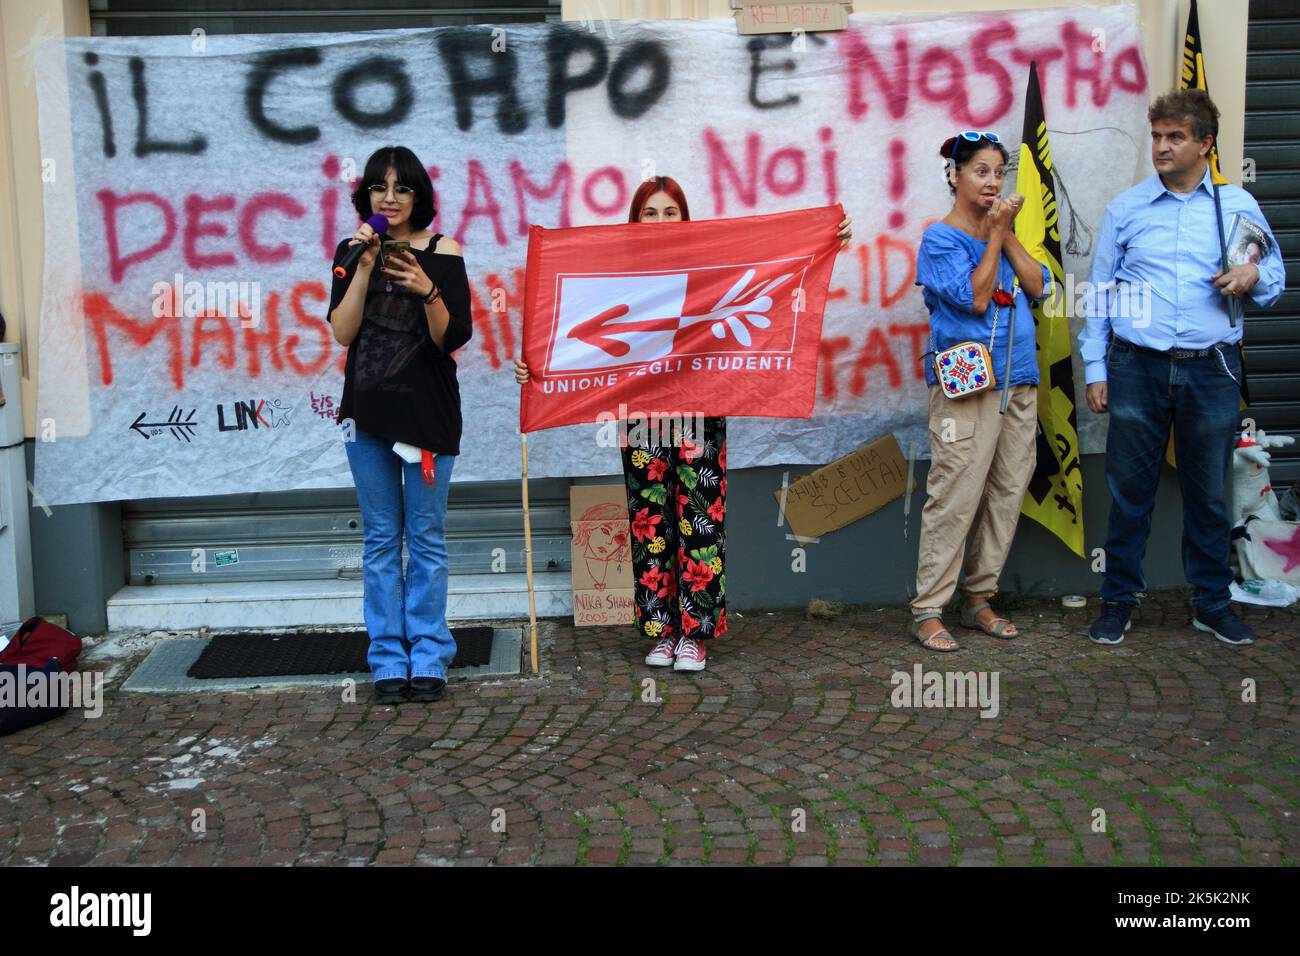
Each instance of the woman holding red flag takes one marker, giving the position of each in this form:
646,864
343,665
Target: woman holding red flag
677,494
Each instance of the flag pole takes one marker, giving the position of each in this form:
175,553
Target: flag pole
528,554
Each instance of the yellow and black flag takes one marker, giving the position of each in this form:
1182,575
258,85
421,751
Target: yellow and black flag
1055,495
1193,77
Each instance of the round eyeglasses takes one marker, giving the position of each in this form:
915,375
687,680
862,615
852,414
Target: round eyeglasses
404,194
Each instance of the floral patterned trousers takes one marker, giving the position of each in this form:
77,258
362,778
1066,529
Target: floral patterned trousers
677,500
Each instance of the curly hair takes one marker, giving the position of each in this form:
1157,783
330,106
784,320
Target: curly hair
1193,107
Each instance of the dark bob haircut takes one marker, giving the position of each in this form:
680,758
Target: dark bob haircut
410,172
966,151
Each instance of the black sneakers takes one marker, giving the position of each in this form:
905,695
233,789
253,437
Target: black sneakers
1224,624
1110,627
391,690
398,690
427,689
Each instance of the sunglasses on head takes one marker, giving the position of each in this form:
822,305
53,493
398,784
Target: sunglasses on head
971,136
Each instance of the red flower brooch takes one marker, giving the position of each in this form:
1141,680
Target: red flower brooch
1002,297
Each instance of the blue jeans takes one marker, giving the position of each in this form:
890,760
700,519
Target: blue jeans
406,620
1146,393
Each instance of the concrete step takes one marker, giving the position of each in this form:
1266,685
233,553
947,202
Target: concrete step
269,604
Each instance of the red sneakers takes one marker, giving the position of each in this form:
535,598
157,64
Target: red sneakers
663,653
690,655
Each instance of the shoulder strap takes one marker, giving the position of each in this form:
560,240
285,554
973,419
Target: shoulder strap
25,631
1234,304
29,626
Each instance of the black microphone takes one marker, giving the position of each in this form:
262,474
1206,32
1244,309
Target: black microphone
377,222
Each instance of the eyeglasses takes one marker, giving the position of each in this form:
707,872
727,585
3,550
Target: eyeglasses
971,136
404,194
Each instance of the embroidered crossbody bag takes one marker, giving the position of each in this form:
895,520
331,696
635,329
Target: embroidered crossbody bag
967,368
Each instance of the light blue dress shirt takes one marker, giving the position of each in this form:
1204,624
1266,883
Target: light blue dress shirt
1152,271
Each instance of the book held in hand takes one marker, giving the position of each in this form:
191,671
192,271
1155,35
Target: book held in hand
1247,241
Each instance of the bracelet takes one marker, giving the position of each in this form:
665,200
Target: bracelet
432,296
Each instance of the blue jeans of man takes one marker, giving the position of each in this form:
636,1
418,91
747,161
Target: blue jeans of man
405,618
1147,392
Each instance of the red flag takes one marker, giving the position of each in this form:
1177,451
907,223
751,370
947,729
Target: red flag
714,317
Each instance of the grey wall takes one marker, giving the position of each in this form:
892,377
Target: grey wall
79,563
77,559
874,560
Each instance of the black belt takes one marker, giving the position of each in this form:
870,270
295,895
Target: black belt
1178,354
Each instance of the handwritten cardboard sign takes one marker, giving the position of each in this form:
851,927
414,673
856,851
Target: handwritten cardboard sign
847,489
783,16
602,555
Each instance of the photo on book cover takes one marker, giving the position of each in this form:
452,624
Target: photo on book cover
1247,241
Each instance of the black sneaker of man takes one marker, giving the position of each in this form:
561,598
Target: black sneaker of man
1223,624
427,689
1110,627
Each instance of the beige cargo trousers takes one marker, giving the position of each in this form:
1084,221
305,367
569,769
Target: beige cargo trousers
980,465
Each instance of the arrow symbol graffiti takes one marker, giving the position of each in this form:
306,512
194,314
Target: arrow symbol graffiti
180,428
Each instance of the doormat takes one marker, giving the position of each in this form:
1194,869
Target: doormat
320,652
165,669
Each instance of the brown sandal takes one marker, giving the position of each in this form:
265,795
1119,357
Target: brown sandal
941,634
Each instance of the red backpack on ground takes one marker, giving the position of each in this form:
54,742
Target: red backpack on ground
37,641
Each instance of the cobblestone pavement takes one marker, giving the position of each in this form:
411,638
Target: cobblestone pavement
786,750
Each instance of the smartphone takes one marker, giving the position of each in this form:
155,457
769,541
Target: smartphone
390,246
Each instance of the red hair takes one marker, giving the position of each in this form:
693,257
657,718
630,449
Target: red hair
651,186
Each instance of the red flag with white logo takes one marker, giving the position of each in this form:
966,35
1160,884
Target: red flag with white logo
712,317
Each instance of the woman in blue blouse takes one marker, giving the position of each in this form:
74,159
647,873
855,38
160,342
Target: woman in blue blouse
980,460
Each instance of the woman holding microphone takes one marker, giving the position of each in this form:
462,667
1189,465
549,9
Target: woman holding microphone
401,323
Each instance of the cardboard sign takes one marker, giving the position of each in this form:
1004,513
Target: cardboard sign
602,555
845,490
784,16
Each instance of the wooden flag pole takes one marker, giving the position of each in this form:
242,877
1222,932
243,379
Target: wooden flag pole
528,554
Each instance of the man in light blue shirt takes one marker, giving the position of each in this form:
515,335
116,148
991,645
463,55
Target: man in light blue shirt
1160,349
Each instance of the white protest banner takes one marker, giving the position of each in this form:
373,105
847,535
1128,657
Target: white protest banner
196,187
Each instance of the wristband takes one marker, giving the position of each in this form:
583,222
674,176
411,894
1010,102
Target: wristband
432,296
